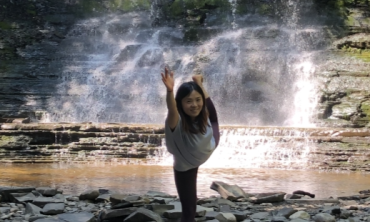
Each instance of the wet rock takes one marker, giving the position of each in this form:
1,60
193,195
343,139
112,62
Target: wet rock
284,212
32,209
6,191
335,210
103,198
4,210
143,215
301,215
122,205
47,191
298,220
132,198
159,194
324,217
118,214
221,201
345,214
230,192
293,196
172,214
226,217
53,208
224,208
42,201
240,215
161,208
49,220
37,217
22,197
89,195
161,200
301,192
260,215
73,198
118,198
77,217
210,215
278,219
268,197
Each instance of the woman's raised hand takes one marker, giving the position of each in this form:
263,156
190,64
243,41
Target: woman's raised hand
198,79
167,79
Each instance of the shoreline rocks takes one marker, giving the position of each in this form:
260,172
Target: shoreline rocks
103,206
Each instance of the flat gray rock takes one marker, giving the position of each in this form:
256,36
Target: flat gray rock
226,217
22,197
49,220
159,194
268,197
161,208
53,209
47,191
324,217
230,192
260,215
6,191
313,201
77,217
32,209
42,201
284,212
118,213
143,215
89,195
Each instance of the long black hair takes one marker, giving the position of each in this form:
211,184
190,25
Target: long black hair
201,121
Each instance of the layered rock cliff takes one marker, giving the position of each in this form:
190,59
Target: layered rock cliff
32,35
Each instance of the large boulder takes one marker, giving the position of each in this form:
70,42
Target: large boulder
230,192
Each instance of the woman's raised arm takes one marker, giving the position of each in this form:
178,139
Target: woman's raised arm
173,114
198,79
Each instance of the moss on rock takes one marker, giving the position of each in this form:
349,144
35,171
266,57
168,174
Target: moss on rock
365,107
364,55
115,5
5,25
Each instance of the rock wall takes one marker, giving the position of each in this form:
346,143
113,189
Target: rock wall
344,76
30,34
339,149
46,143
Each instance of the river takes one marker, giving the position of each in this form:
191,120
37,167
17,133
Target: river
138,179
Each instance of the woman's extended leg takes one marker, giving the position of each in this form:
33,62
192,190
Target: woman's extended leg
213,119
186,184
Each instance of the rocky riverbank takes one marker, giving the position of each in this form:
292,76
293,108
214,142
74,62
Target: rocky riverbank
45,204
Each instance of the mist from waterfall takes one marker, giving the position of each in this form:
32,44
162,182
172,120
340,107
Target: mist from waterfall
258,71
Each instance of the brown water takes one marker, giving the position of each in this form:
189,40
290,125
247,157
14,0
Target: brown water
75,178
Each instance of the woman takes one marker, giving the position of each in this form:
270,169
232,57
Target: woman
192,134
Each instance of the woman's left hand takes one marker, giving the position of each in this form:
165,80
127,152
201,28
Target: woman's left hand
167,79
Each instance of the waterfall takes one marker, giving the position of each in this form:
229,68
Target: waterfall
240,147
258,71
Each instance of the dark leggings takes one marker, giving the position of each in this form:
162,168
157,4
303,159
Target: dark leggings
186,182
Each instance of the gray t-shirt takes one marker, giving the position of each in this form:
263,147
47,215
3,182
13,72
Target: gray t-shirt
189,150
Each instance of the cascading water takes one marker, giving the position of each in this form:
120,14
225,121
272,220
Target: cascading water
258,71
241,147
